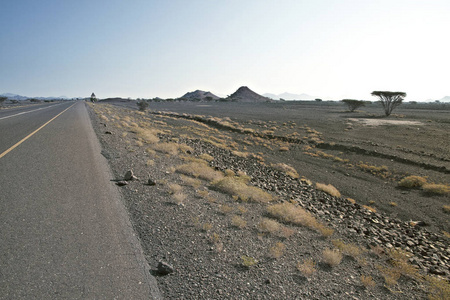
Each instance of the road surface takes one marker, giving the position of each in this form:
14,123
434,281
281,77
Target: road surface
64,231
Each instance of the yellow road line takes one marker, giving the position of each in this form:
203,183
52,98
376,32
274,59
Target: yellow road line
31,134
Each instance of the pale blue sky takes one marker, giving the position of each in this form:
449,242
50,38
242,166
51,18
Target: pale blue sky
130,48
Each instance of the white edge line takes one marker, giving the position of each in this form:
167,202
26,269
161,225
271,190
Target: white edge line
25,112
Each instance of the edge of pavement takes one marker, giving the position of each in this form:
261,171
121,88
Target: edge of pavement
133,239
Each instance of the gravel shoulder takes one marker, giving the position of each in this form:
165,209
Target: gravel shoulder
214,240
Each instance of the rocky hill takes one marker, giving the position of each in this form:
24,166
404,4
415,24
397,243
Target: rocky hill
199,95
244,94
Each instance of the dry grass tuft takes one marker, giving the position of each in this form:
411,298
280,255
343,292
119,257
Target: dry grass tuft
236,186
225,209
370,208
439,289
174,188
269,225
307,268
206,157
149,136
207,227
412,181
347,249
179,198
367,281
273,227
168,148
185,148
229,172
203,193
200,170
436,189
238,222
329,189
242,209
290,213
194,182
248,261
290,171
446,209
306,181
277,251
332,257
353,201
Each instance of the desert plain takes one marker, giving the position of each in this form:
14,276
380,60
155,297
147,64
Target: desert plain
217,186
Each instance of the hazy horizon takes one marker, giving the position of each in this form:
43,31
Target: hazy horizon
146,49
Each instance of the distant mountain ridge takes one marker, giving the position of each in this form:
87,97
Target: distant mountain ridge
199,95
20,97
290,96
244,94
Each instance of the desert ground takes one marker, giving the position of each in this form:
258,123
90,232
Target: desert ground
186,202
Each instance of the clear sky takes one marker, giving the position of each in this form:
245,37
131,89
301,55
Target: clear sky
144,49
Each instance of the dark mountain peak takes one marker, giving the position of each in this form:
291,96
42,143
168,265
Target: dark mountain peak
244,94
199,95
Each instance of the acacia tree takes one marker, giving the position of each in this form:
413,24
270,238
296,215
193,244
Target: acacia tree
353,104
142,104
389,100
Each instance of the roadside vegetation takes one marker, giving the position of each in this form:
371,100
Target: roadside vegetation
231,204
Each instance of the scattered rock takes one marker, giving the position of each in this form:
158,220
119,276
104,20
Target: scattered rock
108,132
129,176
121,183
151,182
164,268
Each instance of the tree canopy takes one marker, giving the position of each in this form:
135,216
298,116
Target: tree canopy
353,104
389,100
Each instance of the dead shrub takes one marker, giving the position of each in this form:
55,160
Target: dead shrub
329,189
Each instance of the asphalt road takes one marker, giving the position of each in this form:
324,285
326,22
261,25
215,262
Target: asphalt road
64,232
